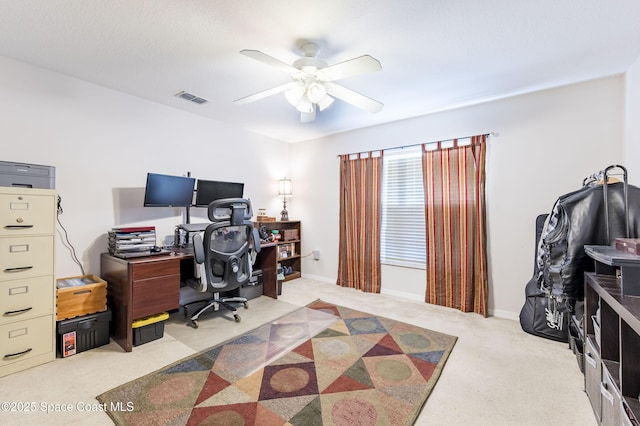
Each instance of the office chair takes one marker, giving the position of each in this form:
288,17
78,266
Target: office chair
224,254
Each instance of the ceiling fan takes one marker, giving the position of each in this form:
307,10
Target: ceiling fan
312,86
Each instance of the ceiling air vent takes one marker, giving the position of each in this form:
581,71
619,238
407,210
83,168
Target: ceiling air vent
191,97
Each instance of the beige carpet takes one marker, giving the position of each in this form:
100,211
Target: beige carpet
496,375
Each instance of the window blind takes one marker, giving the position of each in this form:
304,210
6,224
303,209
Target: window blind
403,240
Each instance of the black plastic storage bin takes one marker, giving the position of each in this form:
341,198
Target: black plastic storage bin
149,328
253,288
83,333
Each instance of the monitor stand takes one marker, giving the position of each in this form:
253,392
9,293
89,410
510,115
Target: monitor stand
183,234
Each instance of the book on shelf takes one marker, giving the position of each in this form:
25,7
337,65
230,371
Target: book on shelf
286,250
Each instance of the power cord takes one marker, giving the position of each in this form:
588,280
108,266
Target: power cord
66,237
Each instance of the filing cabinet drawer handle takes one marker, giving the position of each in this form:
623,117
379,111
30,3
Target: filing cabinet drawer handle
18,312
590,359
18,226
17,354
19,269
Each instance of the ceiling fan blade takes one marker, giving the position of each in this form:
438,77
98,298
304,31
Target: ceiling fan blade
360,65
307,117
269,60
353,98
265,93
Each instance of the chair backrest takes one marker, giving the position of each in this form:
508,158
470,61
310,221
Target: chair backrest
226,245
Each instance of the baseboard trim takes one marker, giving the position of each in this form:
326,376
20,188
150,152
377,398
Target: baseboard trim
403,295
498,313
319,278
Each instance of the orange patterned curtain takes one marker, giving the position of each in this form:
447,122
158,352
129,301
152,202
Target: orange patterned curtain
360,208
454,186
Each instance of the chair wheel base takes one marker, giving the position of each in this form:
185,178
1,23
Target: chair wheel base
214,305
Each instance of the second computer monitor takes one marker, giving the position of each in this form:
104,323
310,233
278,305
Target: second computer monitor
211,190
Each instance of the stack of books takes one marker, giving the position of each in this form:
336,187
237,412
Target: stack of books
133,241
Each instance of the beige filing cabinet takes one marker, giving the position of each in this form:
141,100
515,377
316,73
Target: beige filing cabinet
27,284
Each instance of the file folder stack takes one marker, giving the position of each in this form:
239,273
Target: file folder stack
132,242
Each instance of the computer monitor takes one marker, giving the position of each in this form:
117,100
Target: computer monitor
168,191
211,190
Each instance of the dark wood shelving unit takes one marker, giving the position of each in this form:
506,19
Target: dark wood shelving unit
612,375
289,246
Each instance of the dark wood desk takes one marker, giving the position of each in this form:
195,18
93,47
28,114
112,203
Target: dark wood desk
143,286
139,287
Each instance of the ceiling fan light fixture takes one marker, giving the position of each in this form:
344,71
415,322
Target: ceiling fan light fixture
305,106
316,92
295,95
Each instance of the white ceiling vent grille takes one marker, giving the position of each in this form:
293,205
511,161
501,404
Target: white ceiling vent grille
191,97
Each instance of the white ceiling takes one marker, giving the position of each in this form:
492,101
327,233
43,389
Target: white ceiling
435,54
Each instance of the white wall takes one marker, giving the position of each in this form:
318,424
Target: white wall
632,121
103,143
548,142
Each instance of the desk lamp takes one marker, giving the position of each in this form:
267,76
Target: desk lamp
284,189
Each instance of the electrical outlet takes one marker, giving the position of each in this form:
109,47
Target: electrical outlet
316,255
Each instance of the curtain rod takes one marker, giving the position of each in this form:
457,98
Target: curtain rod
494,134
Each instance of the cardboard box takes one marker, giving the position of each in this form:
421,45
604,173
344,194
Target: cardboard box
148,328
78,296
83,333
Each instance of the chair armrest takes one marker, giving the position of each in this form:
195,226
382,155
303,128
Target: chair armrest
256,240
198,248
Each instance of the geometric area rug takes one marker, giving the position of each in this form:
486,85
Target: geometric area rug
320,365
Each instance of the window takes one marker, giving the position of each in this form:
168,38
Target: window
403,239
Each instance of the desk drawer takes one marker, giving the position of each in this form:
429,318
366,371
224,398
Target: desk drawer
26,339
155,295
24,257
24,299
164,266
